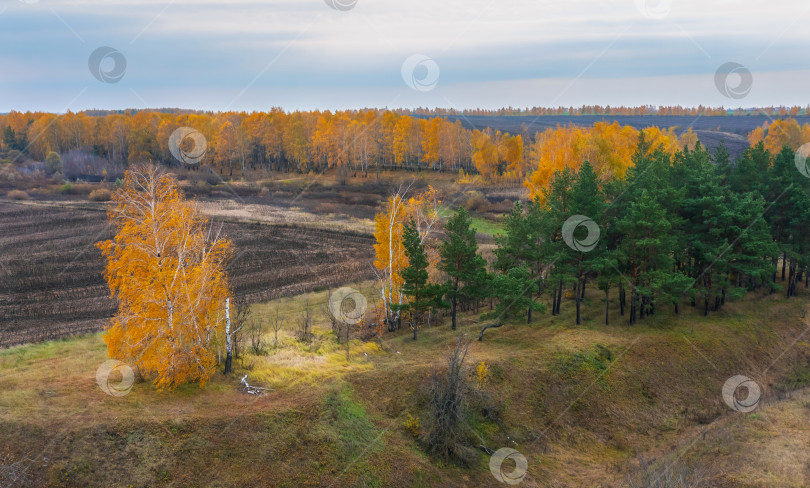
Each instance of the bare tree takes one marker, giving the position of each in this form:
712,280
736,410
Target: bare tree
348,328
337,325
242,317
233,338
444,435
255,333
277,324
341,329
305,325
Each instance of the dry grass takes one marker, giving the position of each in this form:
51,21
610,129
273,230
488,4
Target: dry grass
580,419
100,195
241,212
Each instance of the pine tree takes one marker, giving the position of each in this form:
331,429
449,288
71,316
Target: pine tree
519,246
699,235
587,201
465,268
421,294
515,292
645,252
722,161
513,243
751,248
788,215
748,173
556,254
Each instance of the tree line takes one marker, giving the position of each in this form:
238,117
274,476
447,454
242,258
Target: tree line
350,142
354,142
607,110
690,227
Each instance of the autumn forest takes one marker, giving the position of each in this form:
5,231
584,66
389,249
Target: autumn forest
373,244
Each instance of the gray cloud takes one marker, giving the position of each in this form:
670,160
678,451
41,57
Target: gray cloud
296,54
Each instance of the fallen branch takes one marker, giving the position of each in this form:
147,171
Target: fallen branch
253,390
481,335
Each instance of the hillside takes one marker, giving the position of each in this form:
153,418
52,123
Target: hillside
583,403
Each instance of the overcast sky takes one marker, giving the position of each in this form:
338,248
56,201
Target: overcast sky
305,54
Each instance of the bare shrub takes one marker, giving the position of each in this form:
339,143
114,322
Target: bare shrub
100,195
326,208
17,195
476,202
255,332
337,325
444,435
84,164
368,199
501,207
277,325
13,472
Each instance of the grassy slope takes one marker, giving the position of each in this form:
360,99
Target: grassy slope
579,413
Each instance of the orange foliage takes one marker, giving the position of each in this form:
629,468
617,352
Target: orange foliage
485,155
356,140
608,147
390,254
780,133
688,139
390,258
511,153
168,276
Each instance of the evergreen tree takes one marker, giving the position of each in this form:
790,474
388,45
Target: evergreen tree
747,175
514,243
722,161
751,248
645,252
421,295
788,214
514,290
586,200
557,256
519,245
700,240
9,138
465,268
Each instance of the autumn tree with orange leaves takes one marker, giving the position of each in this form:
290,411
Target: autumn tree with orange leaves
780,133
390,258
167,271
608,147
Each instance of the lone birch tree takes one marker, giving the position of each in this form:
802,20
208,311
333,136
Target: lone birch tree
167,269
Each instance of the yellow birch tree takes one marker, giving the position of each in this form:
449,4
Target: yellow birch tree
167,271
